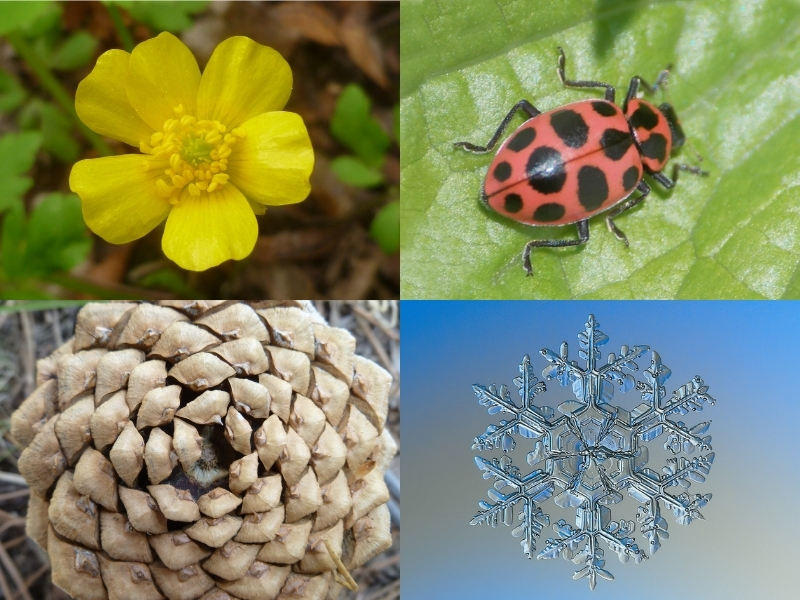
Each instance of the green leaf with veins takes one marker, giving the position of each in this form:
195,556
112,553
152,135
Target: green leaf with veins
57,238
26,16
53,239
55,127
733,234
353,171
385,227
354,127
163,16
76,51
17,153
12,94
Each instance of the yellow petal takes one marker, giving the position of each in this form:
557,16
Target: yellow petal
102,104
243,79
119,199
206,230
162,74
272,164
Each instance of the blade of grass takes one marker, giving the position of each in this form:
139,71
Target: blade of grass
122,31
113,292
55,88
33,305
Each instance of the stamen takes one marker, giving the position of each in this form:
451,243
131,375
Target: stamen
191,154
163,189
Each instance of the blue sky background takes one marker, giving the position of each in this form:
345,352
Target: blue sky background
747,352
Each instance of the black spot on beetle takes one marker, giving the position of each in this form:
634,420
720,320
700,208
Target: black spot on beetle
547,213
605,109
502,171
592,187
644,116
654,147
570,127
630,178
615,143
522,140
545,170
513,203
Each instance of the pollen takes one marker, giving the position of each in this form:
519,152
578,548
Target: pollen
192,154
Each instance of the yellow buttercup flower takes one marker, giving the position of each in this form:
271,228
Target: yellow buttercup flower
216,148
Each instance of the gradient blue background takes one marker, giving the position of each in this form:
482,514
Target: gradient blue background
747,352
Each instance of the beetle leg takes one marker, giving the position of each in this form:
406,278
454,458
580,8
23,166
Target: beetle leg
627,205
677,167
633,89
581,84
583,237
664,180
523,105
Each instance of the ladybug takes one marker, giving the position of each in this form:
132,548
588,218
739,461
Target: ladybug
569,164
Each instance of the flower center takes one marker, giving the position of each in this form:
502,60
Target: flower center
192,153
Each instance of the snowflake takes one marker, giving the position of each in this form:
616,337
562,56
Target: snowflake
593,452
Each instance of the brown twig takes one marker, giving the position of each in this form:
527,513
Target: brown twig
55,322
341,575
14,494
13,571
376,344
4,586
14,478
27,354
15,541
36,574
390,332
15,522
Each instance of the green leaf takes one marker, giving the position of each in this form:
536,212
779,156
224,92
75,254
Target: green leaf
12,245
733,234
350,169
170,280
12,94
57,239
76,51
354,127
21,15
385,227
55,126
163,16
17,153
28,289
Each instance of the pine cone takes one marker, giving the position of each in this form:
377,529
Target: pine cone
205,449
